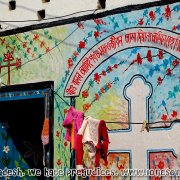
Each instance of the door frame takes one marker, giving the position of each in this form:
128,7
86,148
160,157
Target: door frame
12,90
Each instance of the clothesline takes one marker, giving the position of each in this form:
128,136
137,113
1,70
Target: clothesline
120,122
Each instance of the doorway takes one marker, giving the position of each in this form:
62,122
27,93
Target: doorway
23,110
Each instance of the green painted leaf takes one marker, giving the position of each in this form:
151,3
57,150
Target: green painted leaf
46,32
3,136
16,164
25,55
8,161
91,83
35,48
78,50
90,34
23,161
126,20
26,37
14,42
3,161
19,47
56,42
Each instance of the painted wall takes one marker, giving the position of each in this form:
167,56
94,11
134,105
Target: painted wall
126,68
27,10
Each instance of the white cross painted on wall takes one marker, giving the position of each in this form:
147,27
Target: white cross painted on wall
138,91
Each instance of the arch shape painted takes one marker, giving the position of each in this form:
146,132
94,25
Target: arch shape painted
125,39
127,96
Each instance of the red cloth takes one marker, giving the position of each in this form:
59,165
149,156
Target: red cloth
79,150
101,148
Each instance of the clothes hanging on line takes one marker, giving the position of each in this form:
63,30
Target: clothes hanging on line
94,135
86,131
72,123
45,130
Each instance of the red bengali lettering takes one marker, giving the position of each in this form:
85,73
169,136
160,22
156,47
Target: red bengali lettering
170,41
177,45
103,49
162,38
130,37
141,36
71,90
77,78
93,57
86,65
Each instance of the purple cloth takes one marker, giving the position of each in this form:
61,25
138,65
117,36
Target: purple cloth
78,117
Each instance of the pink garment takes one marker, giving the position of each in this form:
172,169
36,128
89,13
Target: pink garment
78,117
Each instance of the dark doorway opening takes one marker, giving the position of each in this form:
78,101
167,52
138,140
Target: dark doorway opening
25,122
24,118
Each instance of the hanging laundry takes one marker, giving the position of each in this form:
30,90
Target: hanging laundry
45,130
94,135
72,123
145,125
